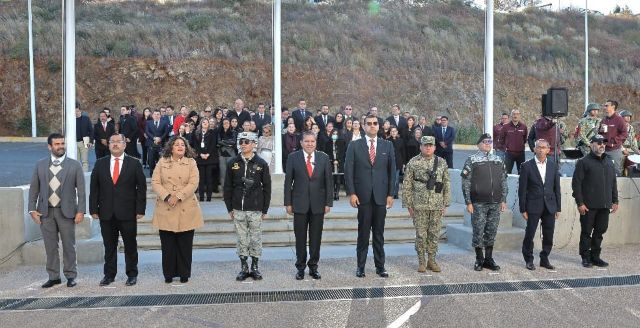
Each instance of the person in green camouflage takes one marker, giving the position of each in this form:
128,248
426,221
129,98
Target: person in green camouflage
588,127
426,193
630,146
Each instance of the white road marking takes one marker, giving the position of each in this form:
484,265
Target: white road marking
405,316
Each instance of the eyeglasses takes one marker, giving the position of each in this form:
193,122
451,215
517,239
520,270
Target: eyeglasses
207,111
487,141
374,123
244,141
116,142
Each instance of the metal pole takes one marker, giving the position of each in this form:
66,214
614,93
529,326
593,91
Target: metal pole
32,83
586,53
277,101
488,69
70,78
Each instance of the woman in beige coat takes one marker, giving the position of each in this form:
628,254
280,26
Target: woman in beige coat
177,213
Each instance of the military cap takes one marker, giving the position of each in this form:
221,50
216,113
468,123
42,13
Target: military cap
483,137
593,106
428,140
625,112
598,138
251,136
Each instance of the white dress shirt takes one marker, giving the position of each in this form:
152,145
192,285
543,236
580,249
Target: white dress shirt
542,168
375,143
113,162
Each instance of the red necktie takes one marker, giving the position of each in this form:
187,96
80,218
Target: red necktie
116,171
309,167
372,152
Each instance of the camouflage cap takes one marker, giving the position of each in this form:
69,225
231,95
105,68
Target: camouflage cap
251,136
428,140
625,112
483,137
593,106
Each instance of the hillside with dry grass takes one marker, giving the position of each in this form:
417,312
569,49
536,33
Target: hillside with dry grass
428,59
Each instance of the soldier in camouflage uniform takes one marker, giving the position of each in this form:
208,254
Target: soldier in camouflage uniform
484,185
247,194
630,146
426,192
588,127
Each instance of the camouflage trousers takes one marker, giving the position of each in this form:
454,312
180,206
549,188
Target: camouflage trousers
484,221
249,230
428,225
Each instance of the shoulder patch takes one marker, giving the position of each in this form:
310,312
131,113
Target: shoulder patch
235,166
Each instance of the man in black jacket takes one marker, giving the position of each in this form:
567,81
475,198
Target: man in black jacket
101,133
129,128
595,190
118,198
247,194
308,188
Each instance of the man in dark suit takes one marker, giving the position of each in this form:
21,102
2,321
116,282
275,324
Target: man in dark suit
129,128
101,133
57,204
308,187
156,133
118,198
539,194
239,113
168,119
369,173
300,114
324,118
398,120
445,135
261,118
374,111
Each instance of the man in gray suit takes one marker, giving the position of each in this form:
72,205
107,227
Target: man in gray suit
308,196
369,174
57,203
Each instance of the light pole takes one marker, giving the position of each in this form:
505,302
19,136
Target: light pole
277,101
32,83
586,53
488,69
70,78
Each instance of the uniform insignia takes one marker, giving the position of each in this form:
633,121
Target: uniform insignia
258,168
235,166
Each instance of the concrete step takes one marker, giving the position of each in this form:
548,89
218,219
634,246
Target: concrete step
507,239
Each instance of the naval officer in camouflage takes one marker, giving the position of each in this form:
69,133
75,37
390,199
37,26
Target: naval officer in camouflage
588,127
247,194
426,193
484,185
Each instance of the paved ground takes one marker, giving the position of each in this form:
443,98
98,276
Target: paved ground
214,272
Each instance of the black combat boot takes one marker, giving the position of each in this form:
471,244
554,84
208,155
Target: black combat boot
479,259
255,273
489,263
244,272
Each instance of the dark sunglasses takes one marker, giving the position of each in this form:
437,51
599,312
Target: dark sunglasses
372,123
487,141
244,141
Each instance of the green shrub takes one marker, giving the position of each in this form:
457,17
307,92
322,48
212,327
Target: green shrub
53,66
467,134
442,23
20,50
198,23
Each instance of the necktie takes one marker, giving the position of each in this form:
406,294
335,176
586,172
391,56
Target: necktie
116,171
309,167
261,117
156,123
444,130
56,162
104,126
372,152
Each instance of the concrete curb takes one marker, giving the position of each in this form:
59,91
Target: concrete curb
23,139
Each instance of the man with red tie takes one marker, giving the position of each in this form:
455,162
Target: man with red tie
308,196
118,198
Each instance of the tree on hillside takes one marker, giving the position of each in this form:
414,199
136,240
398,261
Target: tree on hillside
510,5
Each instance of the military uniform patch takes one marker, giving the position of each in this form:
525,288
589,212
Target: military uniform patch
235,166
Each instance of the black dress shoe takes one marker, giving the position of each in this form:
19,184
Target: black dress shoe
71,282
382,273
587,263
360,273
600,263
50,283
168,280
530,266
131,281
300,275
546,265
184,280
106,281
315,274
